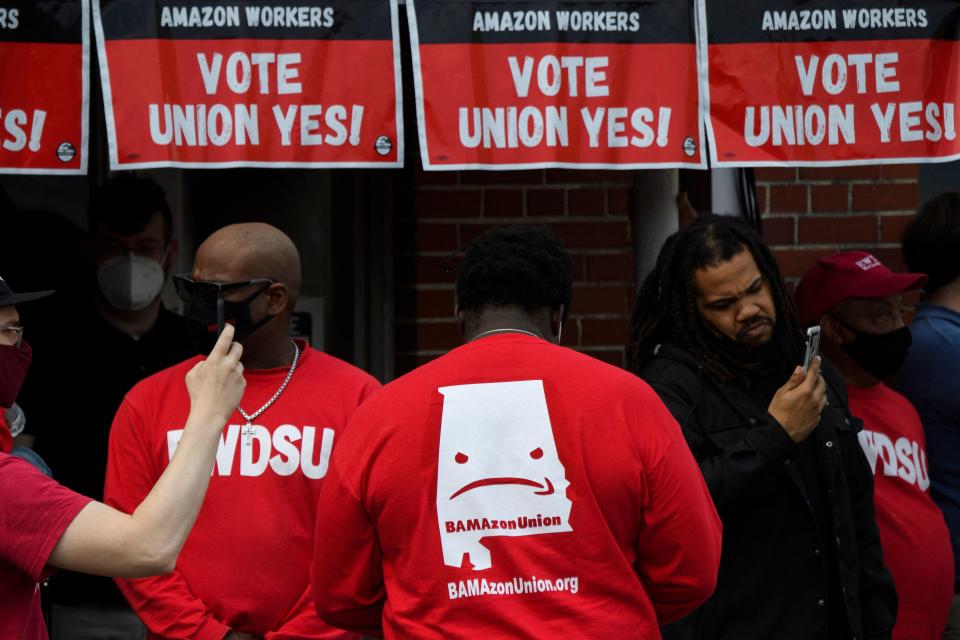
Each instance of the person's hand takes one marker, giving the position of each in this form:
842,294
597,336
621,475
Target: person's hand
216,384
233,635
797,404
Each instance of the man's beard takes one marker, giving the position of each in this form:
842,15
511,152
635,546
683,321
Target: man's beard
764,358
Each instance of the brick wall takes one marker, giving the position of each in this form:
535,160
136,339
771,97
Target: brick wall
443,210
812,212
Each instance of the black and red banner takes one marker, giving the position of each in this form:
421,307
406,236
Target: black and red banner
825,82
44,85
527,84
267,83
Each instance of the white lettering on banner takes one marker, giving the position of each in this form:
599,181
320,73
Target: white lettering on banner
181,17
240,66
14,136
888,18
303,17
904,459
9,18
284,451
511,20
799,20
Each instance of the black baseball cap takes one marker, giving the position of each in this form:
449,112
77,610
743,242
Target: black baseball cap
8,297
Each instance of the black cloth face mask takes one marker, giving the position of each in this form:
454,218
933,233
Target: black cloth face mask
14,362
880,355
204,304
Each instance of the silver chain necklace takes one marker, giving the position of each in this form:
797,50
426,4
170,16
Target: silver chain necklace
247,430
492,331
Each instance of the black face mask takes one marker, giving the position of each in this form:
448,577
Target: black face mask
199,309
879,355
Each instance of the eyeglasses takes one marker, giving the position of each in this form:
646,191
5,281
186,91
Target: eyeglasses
208,292
11,335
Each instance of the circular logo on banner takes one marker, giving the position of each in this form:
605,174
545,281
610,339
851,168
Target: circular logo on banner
690,147
66,152
383,145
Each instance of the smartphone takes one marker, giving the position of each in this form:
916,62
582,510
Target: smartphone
221,322
813,347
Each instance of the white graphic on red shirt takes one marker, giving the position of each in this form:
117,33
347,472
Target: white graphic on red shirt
498,472
285,451
904,459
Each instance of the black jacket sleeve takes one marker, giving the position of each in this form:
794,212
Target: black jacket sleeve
731,468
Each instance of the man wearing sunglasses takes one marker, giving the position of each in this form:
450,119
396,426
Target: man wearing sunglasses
244,571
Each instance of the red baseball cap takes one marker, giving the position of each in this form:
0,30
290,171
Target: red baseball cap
848,274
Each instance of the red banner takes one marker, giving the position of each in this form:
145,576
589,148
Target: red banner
793,83
515,85
44,54
212,85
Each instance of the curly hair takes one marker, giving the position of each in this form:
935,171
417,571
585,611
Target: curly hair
931,242
522,266
666,306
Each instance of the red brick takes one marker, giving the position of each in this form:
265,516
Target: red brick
604,331
837,230
593,235
864,172
434,303
886,197
432,269
618,267
454,203
618,202
546,202
507,203
470,232
437,335
794,262
892,227
578,271
779,230
610,356
436,178
900,171
775,174
586,202
788,198
590,176
502,177
890,257
827,198
599,299
436,237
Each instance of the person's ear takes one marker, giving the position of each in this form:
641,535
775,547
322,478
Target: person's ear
277,298
171,256
832,330
461,317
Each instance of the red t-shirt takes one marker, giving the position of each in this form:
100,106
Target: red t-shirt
34,513
916,542
245,565
514,489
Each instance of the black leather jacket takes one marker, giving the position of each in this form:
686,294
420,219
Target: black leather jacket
773,581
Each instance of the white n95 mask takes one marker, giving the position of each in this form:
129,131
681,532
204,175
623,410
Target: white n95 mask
130,282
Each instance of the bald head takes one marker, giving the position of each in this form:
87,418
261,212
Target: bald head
247,251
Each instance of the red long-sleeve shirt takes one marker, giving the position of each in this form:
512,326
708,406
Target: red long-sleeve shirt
245,565
513,489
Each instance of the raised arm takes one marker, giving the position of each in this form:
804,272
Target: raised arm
104,541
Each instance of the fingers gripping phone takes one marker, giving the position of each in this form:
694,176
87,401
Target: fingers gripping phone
813,347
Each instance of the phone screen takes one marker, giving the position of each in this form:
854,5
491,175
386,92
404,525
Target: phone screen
813,347
220,318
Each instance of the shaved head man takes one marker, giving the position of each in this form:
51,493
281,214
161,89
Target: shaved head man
244,571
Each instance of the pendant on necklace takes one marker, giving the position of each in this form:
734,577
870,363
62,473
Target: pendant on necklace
247,433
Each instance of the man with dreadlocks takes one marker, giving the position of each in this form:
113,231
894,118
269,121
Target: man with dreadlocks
716,334
513,488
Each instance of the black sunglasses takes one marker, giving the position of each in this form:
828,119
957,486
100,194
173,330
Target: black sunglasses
208,292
